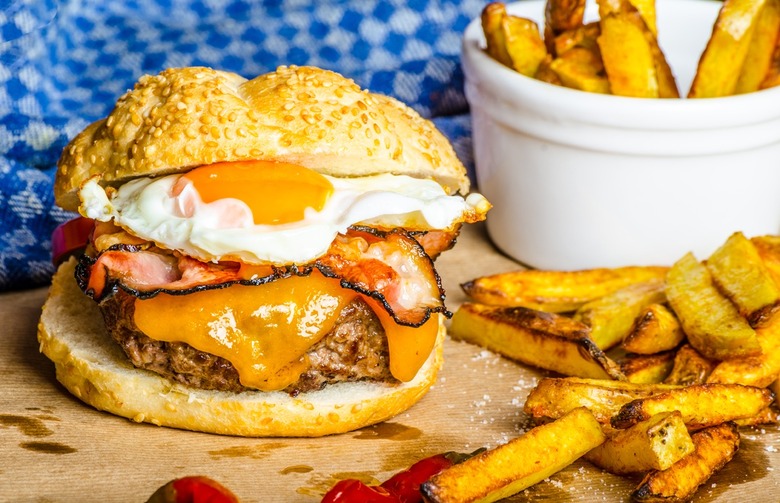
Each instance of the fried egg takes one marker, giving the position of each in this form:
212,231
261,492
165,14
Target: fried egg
276,213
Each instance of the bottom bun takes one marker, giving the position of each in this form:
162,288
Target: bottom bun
92,367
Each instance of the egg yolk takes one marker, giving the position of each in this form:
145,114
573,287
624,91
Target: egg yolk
276,192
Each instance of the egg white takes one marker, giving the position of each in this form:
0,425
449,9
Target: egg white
224,229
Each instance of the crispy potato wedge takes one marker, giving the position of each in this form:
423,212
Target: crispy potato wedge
520,463
646,9
581,68
583,36
723,58
654,444
628,58
760,370
560,16
555,291
492,20
714,447
739,272
612,316
554,397
524,44
768,248
690,367
772,78
647,369
545,73
758,60
766,416
655,330
701,405
710,321
544,340
667,85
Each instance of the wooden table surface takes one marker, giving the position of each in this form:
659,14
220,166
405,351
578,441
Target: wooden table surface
53,448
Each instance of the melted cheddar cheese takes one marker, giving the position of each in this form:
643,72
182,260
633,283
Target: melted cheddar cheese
266,331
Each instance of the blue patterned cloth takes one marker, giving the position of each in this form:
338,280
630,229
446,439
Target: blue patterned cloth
63,64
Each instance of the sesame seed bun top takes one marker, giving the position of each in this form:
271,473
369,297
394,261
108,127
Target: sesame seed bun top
188,117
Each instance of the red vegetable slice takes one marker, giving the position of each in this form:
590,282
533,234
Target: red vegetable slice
355,491
70,237
193,489
405,485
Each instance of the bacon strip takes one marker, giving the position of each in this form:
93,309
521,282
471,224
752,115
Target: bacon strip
436,241
391,268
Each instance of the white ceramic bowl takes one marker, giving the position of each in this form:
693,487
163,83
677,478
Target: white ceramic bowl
581,180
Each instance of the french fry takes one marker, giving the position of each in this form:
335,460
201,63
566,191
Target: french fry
583,36
710,321
647,369
772,78
520,463
654,444
667,84
612,316
560,16
766,416
544,340
492,18
714,447
555,291
545,73
628,58
656,329
646,9
642,13
723,58
524,44
701,405
760,370
511,40
739,272
758,60
554,397
690,367
768,248
581,68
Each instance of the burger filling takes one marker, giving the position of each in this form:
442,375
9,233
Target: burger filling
354,349
257,274
361,312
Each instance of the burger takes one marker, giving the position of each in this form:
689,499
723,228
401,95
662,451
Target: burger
260,254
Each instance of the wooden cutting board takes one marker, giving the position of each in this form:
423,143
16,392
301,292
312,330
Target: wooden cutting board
53,448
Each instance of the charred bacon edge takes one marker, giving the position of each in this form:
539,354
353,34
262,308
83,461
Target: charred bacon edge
86,262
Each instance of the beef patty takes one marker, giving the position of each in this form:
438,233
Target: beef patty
355,349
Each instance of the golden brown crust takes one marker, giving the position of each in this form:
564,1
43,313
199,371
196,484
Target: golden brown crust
188,117
72,334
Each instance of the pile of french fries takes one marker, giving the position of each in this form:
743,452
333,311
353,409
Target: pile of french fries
619,54
659,367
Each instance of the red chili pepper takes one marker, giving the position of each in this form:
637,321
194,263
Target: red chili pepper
69,237
195,489
355,491
405,485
